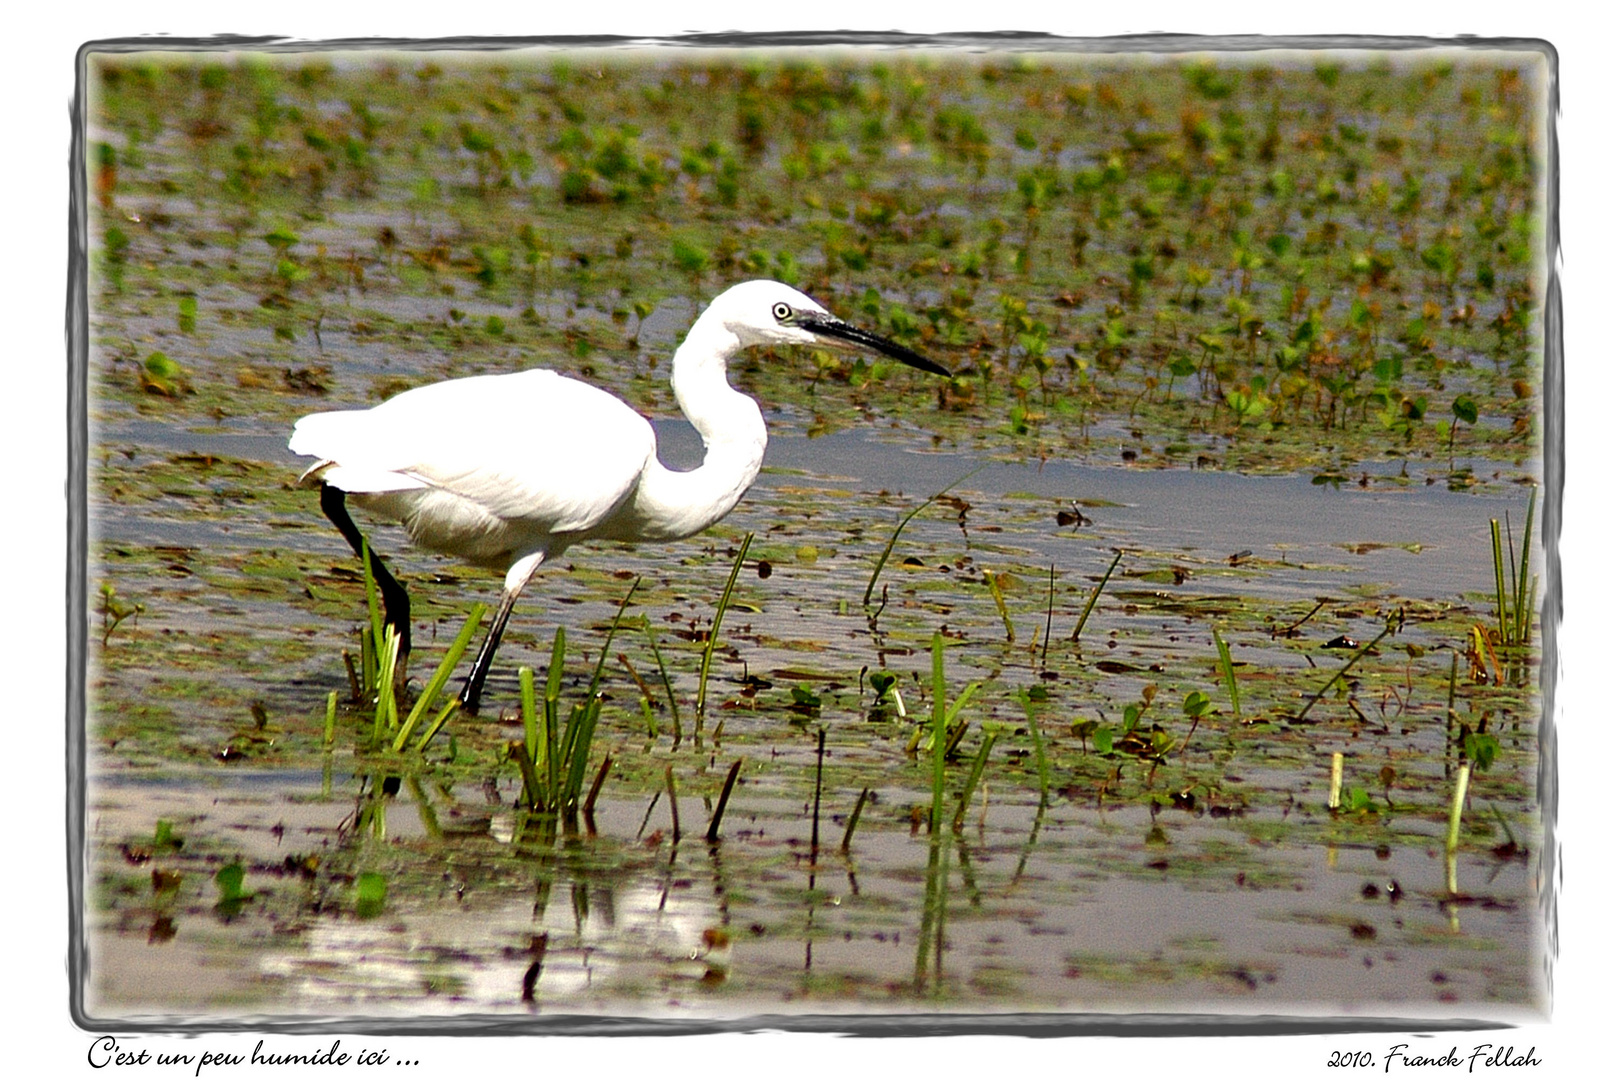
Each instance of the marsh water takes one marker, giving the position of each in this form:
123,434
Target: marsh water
243,859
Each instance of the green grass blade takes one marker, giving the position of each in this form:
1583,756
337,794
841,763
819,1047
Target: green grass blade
527,711
369,664
1039,750
383,715
446,712
442,674
327,731
580,750
548,746
970,782
614,627
555,667
851,822
903,524
1525,588
533,795
1088,609
714,833
1003,608
961,701
1499,576
665,680
1392,624
716,624
938,724
1227,669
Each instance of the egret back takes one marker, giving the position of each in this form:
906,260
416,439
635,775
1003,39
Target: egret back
483,466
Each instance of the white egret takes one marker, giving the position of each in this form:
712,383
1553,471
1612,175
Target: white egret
507,471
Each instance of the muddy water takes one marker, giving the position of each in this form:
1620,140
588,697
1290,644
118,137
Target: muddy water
1110,900
1078,910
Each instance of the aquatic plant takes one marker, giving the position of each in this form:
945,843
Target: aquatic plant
553,757
716,627
885,553
1514,600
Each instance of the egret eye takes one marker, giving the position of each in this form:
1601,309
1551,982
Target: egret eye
781,311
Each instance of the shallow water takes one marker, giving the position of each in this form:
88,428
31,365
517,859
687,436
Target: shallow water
1082,911
1413,539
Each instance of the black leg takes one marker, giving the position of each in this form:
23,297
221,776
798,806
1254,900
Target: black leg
475,686
397,606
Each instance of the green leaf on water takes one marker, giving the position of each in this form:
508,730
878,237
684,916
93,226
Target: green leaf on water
1356,801
1481,749
228,880
371,889
281,238
161,375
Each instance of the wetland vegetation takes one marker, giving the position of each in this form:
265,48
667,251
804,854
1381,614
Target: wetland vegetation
1162,659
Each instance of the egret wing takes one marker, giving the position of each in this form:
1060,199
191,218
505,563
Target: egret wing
533,447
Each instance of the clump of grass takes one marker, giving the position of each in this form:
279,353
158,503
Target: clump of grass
382,678
1514,599
228,882
552,758
953,729
371,892
431,693
386,711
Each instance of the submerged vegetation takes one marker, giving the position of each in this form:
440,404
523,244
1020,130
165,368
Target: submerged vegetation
1327,269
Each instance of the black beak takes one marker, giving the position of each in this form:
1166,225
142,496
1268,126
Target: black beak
830,327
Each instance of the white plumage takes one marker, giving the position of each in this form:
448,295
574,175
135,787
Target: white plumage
518,480
507,471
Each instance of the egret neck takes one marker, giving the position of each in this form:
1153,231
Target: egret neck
672,505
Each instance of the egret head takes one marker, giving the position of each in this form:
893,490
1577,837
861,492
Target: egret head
772,313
